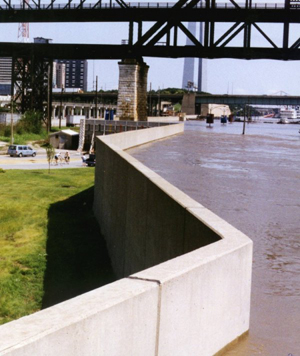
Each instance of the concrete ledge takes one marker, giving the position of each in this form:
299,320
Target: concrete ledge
117,319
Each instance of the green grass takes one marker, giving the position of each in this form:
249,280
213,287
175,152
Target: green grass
50,244
23,138
26,137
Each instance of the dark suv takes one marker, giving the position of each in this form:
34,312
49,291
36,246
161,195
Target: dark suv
91,161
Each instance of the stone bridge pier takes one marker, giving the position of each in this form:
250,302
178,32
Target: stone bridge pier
132,97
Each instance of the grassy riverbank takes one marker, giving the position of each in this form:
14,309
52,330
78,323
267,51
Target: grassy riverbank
23,138
50,243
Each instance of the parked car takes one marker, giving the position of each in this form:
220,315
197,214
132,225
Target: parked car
91,161
21,150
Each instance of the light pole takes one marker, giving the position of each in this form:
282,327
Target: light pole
12,121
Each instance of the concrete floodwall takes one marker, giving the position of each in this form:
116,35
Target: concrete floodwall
194,303
206,281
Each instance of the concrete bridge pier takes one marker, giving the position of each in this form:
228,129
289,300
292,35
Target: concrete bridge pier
132,97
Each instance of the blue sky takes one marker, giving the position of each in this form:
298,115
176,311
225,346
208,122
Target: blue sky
223,75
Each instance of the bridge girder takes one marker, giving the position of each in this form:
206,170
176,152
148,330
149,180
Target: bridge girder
81,51
168,21
150,15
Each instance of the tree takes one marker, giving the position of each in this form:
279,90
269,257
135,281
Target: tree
50,151
31,121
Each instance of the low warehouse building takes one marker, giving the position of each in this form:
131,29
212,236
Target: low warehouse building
65,139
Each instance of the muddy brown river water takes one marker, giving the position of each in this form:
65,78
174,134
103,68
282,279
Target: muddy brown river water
253,182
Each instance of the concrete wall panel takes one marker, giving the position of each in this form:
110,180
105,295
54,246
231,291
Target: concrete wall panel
204,301
135,247
165,226
118,319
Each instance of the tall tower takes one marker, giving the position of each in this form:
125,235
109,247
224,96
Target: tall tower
189,63
23,29
201,63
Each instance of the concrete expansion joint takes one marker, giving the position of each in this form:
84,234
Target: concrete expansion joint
158,309
145,279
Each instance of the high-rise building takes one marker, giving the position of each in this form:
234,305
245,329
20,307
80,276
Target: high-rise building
5,75
60,73
76,72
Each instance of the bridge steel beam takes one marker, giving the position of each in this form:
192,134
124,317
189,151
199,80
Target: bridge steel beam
95,51
267,15
168,18
32,83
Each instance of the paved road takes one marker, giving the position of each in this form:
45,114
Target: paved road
39,161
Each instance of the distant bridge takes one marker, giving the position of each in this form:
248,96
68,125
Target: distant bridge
248,99
174,98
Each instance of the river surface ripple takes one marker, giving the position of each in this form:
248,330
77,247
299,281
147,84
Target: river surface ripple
253,182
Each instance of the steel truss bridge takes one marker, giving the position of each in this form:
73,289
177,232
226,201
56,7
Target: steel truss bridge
161,39
32,62
111,98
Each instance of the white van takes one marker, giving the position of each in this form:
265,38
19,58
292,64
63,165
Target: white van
21,150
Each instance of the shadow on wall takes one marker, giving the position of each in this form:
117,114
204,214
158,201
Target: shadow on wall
77,257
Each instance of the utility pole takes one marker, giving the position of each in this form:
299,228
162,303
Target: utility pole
12,121
150,101
158,102
96,99
49,108
244,123
60,109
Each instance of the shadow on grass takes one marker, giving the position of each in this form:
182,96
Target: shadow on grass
77,258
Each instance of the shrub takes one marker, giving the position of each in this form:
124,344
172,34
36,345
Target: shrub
31,121
19,129
6,131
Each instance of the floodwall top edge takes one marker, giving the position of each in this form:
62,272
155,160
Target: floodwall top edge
17,333
129,139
